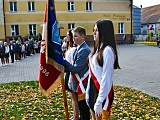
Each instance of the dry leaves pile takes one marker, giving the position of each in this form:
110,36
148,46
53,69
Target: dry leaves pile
24,101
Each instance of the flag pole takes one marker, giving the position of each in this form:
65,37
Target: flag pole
65,99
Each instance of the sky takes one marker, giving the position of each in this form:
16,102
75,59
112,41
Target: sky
145,3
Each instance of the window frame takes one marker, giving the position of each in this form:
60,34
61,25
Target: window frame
89,6
13,6
121,28
71,6
31,6
14,30
71,26
33,29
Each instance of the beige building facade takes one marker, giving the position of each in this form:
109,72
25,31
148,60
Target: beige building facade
25,17
2,33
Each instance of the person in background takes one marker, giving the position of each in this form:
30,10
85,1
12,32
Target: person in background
70,49
28,52
64,45
11,49
102,61
36,46
23,51
39,37
2,53
6,53
20,48
17,50
79,70
124,39
31,45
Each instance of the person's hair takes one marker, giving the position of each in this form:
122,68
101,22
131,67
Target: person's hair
106,38
80,30
70,43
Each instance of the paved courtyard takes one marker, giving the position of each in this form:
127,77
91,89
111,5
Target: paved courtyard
23,70
140,69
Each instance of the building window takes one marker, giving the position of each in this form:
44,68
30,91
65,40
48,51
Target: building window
70,6
14,30
32,30
71,26
31,6
13,6
121,28
89,6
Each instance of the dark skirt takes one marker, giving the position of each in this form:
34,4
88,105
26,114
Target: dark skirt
7,55
2,55
93,94
66,79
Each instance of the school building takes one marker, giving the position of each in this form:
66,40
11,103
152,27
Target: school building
25,17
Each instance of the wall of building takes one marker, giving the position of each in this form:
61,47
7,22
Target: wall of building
2,32
23,17
115,10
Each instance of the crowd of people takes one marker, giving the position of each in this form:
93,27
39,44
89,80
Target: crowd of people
17,50
88,73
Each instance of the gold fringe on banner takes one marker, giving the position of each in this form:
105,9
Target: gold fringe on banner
55,64
53,86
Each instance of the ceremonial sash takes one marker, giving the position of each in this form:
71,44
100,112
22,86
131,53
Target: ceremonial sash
80,81
107,104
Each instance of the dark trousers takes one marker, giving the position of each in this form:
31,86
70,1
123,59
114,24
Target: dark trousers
84,110
12,57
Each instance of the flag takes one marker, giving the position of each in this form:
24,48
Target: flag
51,70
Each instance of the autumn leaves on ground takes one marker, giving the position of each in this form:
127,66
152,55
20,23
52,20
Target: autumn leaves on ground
24,101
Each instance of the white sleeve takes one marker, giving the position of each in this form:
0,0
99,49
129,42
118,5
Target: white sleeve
107,72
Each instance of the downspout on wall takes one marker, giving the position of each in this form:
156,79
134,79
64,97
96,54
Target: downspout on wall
4,21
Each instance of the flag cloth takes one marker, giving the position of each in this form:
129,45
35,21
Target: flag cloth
51,70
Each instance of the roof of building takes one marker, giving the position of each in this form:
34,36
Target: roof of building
150,14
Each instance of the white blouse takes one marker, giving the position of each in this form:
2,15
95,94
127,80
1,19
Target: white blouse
6,49
69,54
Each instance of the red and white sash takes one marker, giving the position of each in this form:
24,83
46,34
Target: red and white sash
107,105
80,81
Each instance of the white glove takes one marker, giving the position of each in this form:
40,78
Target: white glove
87,99
98,109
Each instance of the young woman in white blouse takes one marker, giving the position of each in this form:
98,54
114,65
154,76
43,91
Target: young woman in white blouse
102,62
6,53
70,49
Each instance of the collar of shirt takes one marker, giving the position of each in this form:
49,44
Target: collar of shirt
79,45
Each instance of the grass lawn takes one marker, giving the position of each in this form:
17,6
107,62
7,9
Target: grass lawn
24,101
146,43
